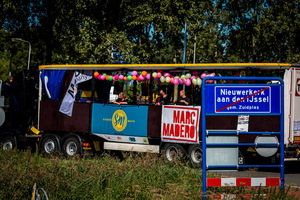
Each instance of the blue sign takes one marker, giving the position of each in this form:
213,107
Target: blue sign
246,99
127,120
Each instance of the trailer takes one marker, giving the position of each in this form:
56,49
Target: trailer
64,109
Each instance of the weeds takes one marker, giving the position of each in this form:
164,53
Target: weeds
136,176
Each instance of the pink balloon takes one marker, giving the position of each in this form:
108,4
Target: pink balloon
166,75
184,80
134,73
142,78
116,77
158,74
188,82
180,81
172,80
148,76
212,75
121,77
175,81
102,77
203,75
98,77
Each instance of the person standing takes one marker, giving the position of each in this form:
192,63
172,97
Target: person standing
183,99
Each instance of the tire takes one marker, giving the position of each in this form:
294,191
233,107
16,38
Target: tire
195,155
71,147
174,152
50,146
8,143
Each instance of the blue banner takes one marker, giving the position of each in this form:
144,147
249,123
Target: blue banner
126,120
246,99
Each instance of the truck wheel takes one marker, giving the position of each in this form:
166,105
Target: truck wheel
8,143
50,146
195,155
71,147
174,152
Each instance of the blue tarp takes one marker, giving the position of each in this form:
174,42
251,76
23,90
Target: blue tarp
52,81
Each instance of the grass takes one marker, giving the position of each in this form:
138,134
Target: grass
138,176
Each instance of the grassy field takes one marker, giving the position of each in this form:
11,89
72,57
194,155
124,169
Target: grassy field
137,176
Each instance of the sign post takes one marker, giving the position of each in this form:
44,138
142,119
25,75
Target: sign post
242,99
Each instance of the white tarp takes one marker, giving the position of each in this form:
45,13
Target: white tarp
66,106
180,124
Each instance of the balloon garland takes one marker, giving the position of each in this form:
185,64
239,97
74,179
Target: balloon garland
187,79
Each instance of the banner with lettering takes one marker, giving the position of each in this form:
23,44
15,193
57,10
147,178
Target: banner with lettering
180,124
66,106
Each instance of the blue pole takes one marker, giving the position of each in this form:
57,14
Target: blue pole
282,136
184,47
203,117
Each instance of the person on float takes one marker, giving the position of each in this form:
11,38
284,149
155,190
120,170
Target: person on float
122,99
163,99
183,99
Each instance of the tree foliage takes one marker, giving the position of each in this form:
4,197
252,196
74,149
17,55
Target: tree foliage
86,31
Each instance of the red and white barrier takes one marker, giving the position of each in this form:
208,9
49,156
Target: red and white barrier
223,182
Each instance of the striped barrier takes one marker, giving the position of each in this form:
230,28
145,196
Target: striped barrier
223,182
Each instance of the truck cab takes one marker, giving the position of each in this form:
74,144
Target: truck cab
18,109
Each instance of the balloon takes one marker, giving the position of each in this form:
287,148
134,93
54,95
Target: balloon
180,81
188,82
125,78
176,77
148,77
110,78
96,74
98,77
192,77
116,77
203,75
162,79
102,77
133,78
194,81
175,82
172,80
212,75
104,74
166,75
158,74
138,79
199,81
168,79
129,78
106,77
188,75
134,73
182,76
184,80
121,81
144,73
195,73
154,74
141,78
121,77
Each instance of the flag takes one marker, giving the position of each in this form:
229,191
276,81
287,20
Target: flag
66,106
